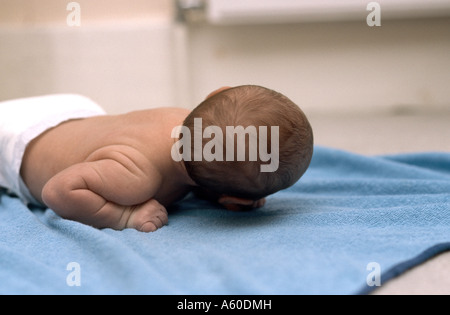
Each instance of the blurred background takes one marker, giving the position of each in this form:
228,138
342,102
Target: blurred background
368,89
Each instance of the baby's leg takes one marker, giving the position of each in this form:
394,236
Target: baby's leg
70,195
89,208
147,217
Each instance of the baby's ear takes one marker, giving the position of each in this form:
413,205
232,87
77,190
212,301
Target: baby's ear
224,88
240,204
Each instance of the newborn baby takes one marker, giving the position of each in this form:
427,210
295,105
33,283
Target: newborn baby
121,171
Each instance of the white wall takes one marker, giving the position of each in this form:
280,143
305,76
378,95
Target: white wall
132,57
121,56
123,69
53,13
331,67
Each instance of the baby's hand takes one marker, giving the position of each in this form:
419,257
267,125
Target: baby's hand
239,204
148,217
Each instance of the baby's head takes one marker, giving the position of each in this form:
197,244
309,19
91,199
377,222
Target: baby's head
259,142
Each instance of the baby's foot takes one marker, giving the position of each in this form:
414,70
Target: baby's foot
148,217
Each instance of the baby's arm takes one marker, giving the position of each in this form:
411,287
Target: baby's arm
230,203
239,204
109,193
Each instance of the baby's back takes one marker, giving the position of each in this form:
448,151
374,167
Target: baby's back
144,133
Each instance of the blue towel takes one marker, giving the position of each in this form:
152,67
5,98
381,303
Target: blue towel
351,223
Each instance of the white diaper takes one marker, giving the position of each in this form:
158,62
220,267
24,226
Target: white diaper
23,120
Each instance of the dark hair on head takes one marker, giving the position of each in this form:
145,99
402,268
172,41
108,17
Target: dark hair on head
251,105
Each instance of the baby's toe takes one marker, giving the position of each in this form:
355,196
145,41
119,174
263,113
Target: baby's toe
149,217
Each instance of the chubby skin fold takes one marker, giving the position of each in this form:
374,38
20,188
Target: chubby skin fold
101,193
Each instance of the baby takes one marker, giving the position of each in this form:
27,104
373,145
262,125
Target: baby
122,171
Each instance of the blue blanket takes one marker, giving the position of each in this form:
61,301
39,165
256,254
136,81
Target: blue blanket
350,219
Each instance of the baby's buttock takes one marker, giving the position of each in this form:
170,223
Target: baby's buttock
24,120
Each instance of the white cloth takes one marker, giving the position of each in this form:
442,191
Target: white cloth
23,120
